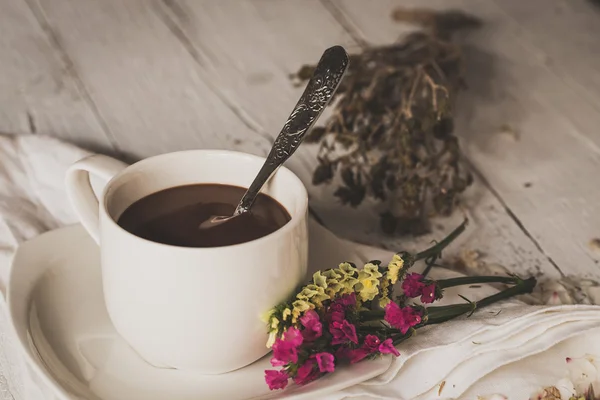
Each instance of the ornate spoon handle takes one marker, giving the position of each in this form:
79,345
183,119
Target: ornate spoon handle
324,82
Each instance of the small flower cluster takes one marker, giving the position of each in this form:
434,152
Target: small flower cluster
344,315
415,285
347,314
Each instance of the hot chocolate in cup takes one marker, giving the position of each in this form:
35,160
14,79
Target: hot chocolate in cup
188,307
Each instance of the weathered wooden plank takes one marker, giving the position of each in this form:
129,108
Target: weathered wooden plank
545,174
38,91
248,52
143,81
564,36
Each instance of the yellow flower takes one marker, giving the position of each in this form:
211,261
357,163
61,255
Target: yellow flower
384,301
394,268
332,284
271,340
384,298
266,316
367,289
320,280
274,324
348,275
313,293
368,282
369,271
299,307
348,282
331,274
308,292
347,269
286,313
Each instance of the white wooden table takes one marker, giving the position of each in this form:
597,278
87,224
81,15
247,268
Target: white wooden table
140,77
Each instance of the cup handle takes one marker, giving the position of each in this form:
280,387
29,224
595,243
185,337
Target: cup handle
80,192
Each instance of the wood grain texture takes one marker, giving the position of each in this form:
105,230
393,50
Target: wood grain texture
38,91
160,76
544,173
144,82
248,51
564,37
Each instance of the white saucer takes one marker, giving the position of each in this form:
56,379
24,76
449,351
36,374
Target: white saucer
57,307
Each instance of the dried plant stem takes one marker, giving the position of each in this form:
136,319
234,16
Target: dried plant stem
390,137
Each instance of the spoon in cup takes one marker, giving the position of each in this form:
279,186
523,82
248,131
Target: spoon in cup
319,91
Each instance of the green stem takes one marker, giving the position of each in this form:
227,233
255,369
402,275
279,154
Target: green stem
469,280
524,286
401,337
430,264
438,247
372,315
436,315
376,329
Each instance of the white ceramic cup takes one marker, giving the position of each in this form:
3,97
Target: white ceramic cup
190,308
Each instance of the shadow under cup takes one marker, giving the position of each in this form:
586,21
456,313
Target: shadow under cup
199,308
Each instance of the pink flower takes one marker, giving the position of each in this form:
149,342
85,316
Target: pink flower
428,293
307,372
286,350
325,361
342,353
342,332
336,313
371,343
293,336
347,300
313,328
387,347
370,346
283,353
276,379
413,285
401,318
358,354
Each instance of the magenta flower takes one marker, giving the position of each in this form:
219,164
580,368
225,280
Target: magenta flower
428,293
325,361
336,313
283,353
358,354
313,328
371,343
307,372
401,318
342,332
413,285
343,353
387,347
286,350
293,336
347,300
276,379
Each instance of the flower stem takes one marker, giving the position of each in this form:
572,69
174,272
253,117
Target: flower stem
436,315
524,286
438,247
469,280
399,338
376,329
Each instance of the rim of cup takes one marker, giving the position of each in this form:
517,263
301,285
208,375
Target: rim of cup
297,216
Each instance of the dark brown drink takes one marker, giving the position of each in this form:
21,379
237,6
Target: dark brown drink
173,216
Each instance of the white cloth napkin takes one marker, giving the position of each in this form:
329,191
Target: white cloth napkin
510,348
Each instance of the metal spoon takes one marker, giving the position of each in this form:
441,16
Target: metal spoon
321,87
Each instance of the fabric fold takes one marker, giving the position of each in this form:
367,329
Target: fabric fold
490,352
